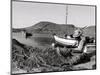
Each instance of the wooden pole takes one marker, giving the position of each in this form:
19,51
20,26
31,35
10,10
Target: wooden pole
66,14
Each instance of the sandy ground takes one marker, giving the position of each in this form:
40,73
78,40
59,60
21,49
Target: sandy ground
86,65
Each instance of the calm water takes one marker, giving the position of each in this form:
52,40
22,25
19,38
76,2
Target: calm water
35,41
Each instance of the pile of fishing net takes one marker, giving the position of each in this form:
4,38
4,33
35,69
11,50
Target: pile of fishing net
39,60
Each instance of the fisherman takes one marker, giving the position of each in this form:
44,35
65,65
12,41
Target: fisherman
81,40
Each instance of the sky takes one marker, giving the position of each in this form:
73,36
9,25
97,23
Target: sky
25,14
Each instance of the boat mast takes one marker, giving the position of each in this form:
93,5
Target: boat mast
66,14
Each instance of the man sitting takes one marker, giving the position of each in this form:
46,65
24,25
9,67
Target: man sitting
81,40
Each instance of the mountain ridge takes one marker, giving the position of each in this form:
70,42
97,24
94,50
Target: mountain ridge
44,27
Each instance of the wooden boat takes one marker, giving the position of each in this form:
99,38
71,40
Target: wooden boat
66,42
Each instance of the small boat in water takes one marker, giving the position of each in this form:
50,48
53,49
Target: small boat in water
65,41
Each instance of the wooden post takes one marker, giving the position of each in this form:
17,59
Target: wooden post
66,14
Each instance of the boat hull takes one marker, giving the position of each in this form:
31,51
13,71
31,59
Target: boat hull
66,42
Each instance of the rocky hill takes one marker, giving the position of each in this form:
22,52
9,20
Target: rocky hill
50,28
